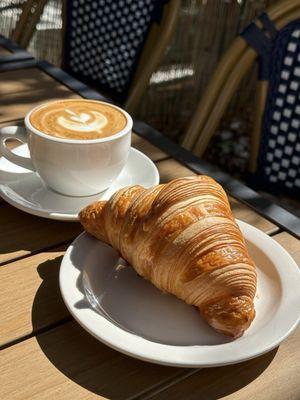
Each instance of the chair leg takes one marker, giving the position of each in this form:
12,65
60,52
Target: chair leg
260,101
230,87
212,92
27,31
284,7
22,22
154,49
63,31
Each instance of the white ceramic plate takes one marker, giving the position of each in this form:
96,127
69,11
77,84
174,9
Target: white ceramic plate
129,314
25,190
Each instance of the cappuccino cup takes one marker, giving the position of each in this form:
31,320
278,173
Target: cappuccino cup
78,147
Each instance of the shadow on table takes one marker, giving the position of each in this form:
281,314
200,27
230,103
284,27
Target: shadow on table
101,370
35,233
24,101
48,306
217,383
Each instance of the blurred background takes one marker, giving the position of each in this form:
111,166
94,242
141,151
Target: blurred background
204,31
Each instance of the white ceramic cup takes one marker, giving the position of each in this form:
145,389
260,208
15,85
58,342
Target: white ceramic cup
70,166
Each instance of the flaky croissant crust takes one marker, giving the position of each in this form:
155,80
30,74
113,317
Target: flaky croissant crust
182,237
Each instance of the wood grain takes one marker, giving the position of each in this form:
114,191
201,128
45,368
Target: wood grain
12,122
16,105
274,376
33,86
71,364
154,153
147,148
171,169
290,243
30,297
30,289
137,142
27,80
68,363
245,213
10,143
21,233
4,52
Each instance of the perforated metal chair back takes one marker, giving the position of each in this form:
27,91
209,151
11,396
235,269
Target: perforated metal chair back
104,40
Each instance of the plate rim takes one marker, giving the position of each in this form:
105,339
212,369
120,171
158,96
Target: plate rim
63,216
234,350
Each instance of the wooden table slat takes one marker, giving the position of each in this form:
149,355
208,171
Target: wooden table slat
16,105
36,234
32,235
71,364
30,297
11,145
31,281
4,52
147,148
274,376
68,363
290,243
171,169
137,142
27,80
65,362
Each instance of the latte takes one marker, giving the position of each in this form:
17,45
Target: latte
78,119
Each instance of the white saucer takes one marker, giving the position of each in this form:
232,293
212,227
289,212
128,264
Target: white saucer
129,314
25,190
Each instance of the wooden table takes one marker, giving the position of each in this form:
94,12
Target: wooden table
11,52
45,353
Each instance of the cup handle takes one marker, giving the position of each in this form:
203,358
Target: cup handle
19,133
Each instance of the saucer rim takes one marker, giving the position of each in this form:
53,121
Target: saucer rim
63,216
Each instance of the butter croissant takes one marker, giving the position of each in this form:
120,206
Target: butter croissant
182,237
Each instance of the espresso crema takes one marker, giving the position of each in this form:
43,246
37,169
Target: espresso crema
78,119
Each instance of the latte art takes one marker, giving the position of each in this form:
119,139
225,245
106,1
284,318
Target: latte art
84,122
78,119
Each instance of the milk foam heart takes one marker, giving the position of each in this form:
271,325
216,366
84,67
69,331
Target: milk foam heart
84,122
78,119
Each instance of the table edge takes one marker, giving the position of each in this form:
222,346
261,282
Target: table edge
263,206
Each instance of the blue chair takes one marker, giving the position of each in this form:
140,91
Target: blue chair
114,46
273,40
278,158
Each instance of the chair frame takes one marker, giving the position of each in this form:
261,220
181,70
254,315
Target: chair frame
152,53
156,43
234,65
32,10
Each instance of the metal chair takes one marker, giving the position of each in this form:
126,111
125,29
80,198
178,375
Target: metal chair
100,37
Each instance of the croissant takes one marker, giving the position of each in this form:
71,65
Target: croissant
182,237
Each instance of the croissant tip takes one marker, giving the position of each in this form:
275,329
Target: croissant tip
83,216
230,316
234,334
